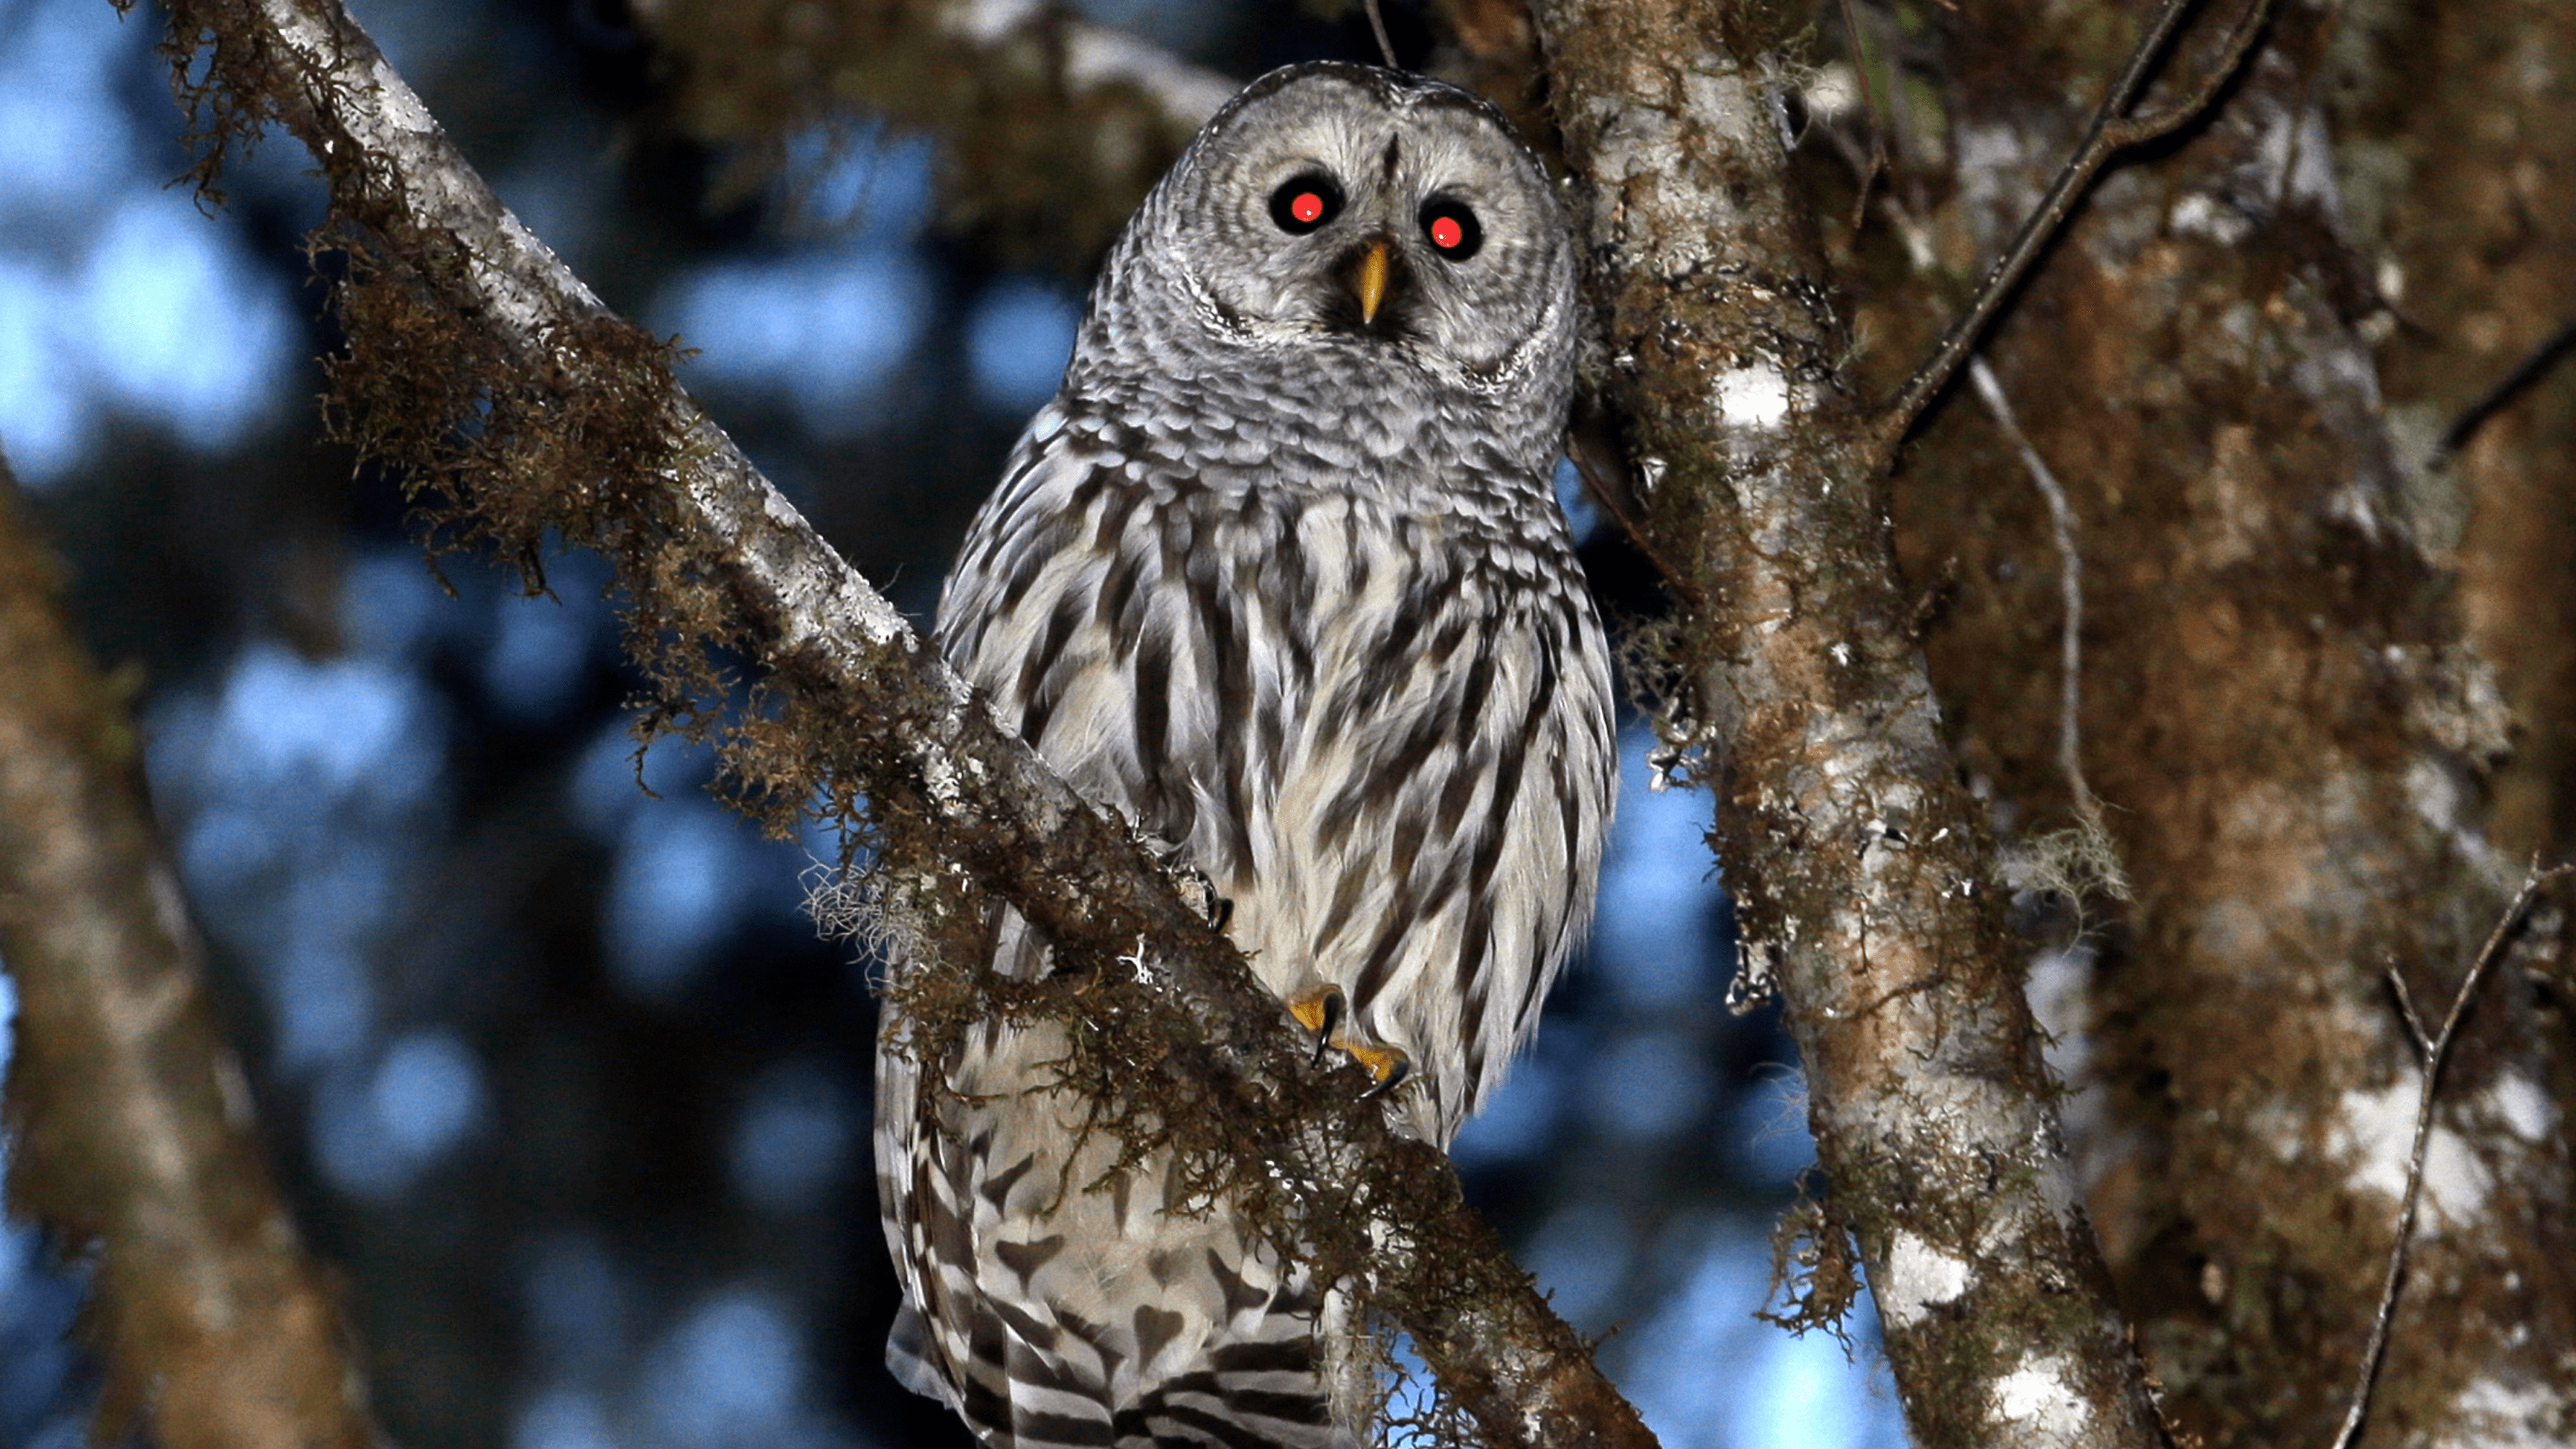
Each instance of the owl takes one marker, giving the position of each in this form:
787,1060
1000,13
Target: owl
1279,575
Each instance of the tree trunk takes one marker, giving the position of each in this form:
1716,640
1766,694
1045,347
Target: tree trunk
1856,861
2282,710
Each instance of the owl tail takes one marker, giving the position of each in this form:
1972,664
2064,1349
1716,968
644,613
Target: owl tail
908,1357
1261,1390
1252,1392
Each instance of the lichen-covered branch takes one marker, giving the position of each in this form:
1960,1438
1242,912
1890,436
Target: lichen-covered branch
1856,859
486,375
130,1122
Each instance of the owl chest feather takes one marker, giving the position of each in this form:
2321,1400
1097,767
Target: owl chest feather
1345,697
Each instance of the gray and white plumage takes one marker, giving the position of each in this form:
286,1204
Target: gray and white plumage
1280,575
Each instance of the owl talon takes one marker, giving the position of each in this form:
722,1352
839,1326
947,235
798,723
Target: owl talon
1195,888
1389,1066
1320,1013
1323,1012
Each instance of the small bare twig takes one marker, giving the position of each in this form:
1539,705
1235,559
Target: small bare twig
2113,131
1877,161
2534,366
1599,488
2433,1051
2070,588
2406,1009
1377,27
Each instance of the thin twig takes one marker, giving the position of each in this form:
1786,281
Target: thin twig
2113,131
2534,365
1599,488
2070,588
2406,1009
1877,123
2433,1053
1377,26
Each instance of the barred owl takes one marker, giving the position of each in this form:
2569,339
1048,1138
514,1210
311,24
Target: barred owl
1280,575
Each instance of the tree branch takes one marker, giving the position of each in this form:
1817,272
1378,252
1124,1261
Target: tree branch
1851,849
2070,593
2432,1051
2112,132
1097,57
542,411
131,1123
2533,366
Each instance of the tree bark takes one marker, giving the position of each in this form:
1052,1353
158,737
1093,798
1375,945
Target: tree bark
2282,712
2457,151
1857,863
130,1122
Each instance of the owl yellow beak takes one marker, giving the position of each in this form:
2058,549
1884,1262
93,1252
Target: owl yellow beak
1371,282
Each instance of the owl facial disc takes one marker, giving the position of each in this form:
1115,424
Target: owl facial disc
1373,219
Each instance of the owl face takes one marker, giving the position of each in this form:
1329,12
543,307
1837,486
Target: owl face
1360,208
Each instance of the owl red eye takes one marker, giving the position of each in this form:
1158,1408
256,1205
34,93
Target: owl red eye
1305,203
1452,230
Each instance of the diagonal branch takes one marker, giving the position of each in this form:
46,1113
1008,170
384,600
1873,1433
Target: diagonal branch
574,423
2534,366
2112,132
128,1120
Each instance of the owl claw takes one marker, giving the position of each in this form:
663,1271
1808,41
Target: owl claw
1322,1012
1390,1066
1319,1013
1197,889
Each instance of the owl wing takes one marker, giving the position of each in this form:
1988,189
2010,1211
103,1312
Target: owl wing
1046,1314
1101,606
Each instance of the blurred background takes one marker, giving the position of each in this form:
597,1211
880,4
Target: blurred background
559,1075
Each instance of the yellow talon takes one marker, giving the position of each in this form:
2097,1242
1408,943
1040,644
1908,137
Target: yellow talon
1321,1011
1318,1011
1388,1064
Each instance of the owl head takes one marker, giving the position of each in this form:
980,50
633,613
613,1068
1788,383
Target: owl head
1367,213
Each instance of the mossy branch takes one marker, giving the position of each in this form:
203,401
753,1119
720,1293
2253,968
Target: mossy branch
129,1121
492,382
